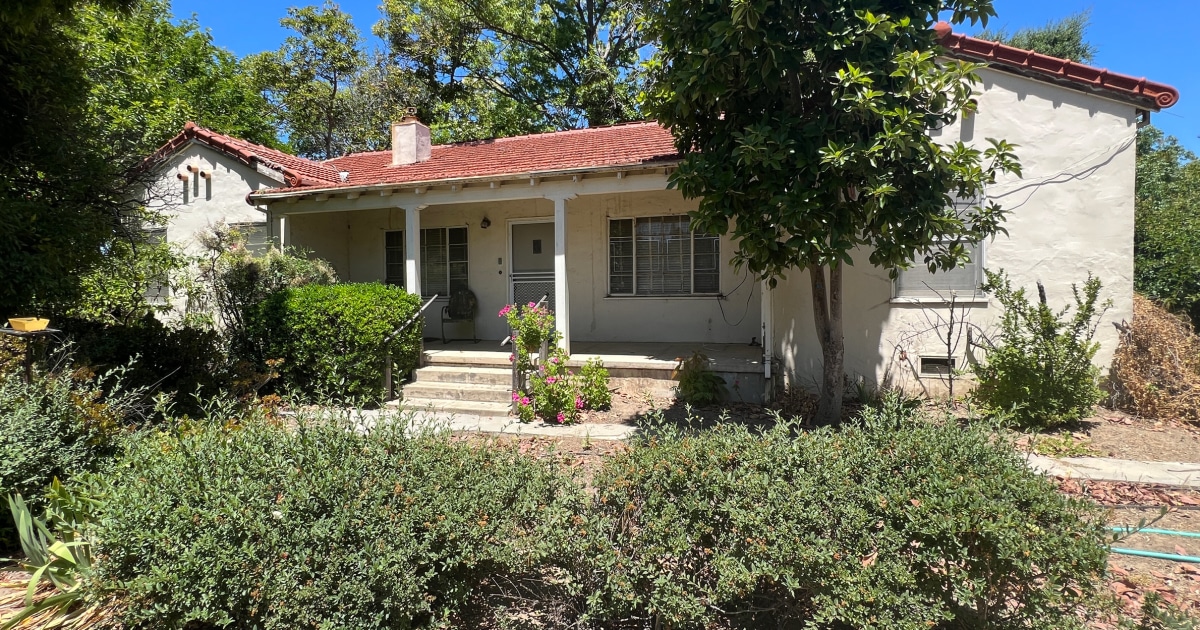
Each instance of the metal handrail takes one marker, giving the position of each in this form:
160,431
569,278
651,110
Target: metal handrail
388,386
516,371
541,301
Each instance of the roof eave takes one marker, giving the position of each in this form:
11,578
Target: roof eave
267,195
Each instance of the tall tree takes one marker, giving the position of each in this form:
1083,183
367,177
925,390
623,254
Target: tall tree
1167,233
329,98
519,66
805,125
153,74
1063,38
59,194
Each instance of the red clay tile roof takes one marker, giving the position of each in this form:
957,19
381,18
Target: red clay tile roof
1157,95
296,171
630,144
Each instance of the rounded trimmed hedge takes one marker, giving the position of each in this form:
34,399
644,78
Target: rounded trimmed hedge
331,337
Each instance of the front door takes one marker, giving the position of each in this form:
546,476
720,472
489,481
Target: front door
531,262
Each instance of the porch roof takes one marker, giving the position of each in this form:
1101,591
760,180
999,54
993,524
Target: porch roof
622,146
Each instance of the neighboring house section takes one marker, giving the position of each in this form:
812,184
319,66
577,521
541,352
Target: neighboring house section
585,218
200,179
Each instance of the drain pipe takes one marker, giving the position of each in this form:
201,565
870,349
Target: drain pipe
768,333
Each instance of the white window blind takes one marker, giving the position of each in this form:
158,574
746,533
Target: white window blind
444,264
393,258
963,281
661,256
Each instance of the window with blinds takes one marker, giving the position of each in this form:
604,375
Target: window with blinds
963,281
393,258
661,256
443,260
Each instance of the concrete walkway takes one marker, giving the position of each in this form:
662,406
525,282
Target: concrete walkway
504,425
1109,469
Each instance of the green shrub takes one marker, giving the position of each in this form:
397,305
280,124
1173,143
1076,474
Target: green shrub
1040,369
331,337
593,385
55,426
183,361
698,385
887,523
267,527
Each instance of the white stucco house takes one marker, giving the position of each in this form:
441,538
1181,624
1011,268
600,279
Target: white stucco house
585,217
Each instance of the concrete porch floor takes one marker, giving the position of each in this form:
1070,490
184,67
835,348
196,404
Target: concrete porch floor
723,357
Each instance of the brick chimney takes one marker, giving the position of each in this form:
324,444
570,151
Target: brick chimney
410,141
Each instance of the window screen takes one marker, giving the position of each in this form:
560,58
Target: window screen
443,260
393,258
661,256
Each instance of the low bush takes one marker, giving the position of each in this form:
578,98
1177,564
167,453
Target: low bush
1156,370
55,427
331,337
183,361
593,385
259,526
1040,368
698,384
887,523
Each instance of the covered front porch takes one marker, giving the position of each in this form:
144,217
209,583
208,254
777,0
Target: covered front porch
613,254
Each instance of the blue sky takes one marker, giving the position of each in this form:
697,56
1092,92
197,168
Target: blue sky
1149,38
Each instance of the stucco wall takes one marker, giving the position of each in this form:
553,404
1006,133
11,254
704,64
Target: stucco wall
1071,213
202,203
354,242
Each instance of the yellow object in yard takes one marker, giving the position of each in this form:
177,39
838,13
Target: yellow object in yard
28,324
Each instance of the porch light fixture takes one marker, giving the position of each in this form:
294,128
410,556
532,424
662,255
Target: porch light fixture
485,223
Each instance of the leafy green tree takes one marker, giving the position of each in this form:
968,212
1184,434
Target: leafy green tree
329,98
804,128
152,75
1167,232
519,66
1062,38
59,194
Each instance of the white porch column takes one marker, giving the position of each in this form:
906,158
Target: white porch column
285,232
768,332
562,298
412,249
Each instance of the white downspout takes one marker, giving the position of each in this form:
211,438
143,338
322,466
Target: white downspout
768,335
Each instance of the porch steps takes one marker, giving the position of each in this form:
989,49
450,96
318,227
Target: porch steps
460,385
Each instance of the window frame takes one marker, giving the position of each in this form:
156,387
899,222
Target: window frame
403,248
403,282
979,261
634,269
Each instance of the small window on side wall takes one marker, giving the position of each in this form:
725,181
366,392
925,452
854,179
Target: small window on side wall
393,258
917,282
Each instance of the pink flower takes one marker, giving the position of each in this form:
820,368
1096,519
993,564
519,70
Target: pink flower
554,360
532,305
504,311
550,380
578,402
562,419
525,400
516,396
511,358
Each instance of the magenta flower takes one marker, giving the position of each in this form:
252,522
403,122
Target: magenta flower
511,358
532,305
550,380
578,402
504,311
525,400
516,396
554,360
562,419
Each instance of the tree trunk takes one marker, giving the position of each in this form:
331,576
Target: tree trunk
827,315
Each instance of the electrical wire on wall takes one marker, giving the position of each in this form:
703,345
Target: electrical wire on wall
746,310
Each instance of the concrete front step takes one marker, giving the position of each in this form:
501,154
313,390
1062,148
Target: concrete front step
461,407
458,391
501,377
